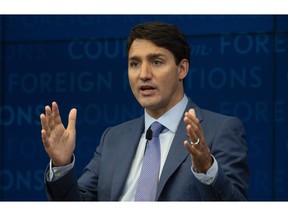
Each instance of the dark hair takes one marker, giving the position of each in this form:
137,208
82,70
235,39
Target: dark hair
163,35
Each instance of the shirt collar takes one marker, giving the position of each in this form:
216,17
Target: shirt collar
171,118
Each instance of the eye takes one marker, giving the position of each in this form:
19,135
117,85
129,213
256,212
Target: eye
133,64
157,62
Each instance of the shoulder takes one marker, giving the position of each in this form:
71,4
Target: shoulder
216,124
130,123
211,117
219,120
137,123
218,117
208,114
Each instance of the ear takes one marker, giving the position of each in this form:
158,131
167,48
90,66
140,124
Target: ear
183,69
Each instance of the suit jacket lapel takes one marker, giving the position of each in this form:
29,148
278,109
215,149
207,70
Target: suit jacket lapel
127,147
177,152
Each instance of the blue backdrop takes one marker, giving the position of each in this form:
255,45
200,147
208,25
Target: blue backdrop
239,66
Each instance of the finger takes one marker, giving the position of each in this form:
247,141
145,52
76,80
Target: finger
192,113
191,148
190,119
44,124
189,128
194,118
44,139
72,119
193,133
56,114
49,116
195,129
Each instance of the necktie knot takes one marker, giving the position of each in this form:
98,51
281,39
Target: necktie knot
156,128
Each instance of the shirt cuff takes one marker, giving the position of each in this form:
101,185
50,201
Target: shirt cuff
56,173
208,177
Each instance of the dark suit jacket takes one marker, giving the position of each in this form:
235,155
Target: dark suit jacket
104,177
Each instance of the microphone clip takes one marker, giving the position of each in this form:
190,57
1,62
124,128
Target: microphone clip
149,134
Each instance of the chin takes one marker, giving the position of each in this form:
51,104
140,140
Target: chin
149,102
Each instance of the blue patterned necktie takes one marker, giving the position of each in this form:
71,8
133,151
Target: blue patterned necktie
147,184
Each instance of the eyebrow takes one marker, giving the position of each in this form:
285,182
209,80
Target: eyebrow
150,56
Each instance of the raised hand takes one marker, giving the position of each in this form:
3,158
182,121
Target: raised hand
197,147
58,141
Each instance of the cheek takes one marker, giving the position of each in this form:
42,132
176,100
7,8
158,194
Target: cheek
130,78
132,82
169,81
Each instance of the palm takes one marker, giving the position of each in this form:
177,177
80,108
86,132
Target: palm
58,142
61,144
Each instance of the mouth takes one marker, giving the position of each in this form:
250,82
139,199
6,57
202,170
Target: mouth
147,90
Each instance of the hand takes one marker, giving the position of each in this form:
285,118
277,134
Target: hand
58,142
200,153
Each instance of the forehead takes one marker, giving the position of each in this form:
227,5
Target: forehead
142,48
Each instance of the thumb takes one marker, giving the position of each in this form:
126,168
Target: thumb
72,119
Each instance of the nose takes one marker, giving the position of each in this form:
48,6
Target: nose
145,72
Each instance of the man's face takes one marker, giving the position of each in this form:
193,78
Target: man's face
155,79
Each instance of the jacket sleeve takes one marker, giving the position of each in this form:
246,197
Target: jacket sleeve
230,151
226,139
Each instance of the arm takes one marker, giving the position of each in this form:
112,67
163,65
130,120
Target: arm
230,150
228,146
59,143
67,187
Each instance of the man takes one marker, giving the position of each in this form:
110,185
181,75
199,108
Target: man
203,155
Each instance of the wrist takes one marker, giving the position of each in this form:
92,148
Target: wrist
63,163
207,167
